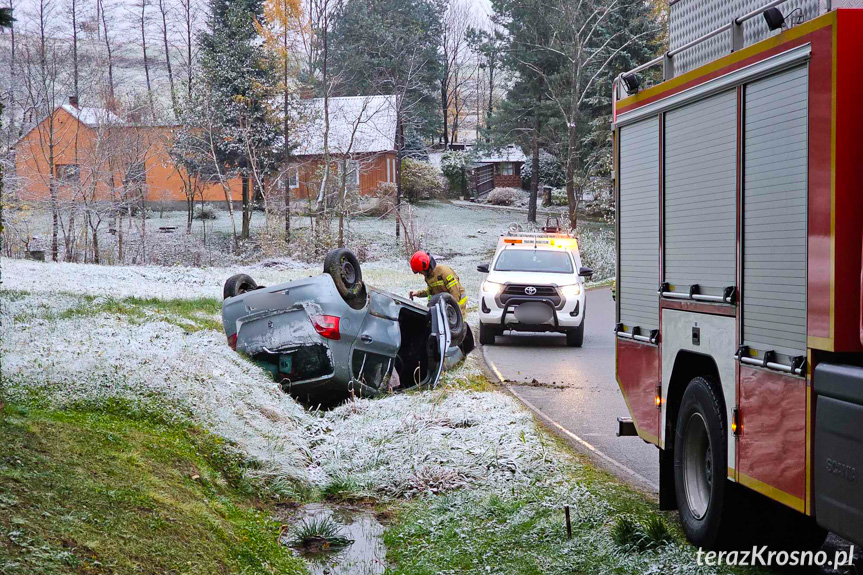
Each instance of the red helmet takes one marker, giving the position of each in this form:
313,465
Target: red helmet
420,262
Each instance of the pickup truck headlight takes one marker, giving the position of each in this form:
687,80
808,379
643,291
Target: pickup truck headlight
492,288
571,290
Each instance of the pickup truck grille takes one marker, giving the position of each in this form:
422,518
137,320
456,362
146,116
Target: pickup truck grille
542,293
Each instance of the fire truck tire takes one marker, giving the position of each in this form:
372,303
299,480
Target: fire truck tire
704,499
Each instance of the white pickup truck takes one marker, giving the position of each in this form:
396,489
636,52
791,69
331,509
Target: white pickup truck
535,283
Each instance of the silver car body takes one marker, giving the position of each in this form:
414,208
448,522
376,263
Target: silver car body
274,325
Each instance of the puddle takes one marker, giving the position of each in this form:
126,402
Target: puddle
366,555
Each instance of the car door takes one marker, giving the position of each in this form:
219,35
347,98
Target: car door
377,342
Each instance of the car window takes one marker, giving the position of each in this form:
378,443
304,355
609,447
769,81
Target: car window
371,368
545,261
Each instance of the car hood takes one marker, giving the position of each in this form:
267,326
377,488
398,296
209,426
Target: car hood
532,278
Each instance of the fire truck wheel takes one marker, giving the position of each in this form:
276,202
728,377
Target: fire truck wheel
700,464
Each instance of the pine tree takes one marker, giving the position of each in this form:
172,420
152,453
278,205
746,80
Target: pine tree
239,83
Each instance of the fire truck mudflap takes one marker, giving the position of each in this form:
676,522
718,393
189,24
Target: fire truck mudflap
839,449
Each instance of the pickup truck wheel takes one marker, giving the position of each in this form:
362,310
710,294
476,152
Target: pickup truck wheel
457,327
575,338
704,498
487,334
238,284
344,267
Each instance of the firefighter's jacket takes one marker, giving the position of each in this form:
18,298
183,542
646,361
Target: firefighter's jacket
442,279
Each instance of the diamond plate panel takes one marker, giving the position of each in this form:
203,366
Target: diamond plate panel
691,19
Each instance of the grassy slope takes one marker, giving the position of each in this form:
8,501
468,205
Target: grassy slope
87,492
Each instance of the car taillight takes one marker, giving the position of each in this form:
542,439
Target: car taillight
232,341
327,326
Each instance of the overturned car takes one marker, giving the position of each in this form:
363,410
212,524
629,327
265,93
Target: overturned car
330,336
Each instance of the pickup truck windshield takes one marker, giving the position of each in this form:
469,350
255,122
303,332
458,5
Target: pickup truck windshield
542,261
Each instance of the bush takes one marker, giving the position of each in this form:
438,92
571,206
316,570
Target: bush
637,537
551,171
598,252
455,165
503,196
421,180
205,213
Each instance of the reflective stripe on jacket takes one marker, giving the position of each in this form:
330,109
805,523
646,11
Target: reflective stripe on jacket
443,279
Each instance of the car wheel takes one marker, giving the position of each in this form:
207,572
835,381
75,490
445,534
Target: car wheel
238,284
575,337
487,334
704,497
344,267
457,327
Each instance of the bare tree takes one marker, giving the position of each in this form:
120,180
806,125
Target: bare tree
142,21
281,30
457,71
163,12
112,100
588,49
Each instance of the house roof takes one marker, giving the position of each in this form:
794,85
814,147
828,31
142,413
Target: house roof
92,117
510,153
358,125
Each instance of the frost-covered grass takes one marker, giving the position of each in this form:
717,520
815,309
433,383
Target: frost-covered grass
462,236
474,484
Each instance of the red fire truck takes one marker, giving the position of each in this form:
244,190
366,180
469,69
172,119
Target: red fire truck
739,183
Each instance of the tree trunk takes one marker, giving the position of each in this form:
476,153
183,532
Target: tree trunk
175,106
190,208
400,138
534,172
444,103
74,8
286,134
96,259
247,208
146,62
111,97
573,152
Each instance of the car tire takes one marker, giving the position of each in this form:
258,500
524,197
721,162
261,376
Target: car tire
457,327
344,267
487,334
575,338
237,285
705,498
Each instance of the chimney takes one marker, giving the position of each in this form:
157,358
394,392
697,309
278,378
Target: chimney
73,101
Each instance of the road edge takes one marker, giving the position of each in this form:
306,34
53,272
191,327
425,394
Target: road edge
619,470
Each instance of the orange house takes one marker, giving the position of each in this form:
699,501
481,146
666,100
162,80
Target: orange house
361,142
96,156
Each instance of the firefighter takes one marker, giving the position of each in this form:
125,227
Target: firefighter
439,278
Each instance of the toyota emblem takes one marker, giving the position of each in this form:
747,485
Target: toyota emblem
530,290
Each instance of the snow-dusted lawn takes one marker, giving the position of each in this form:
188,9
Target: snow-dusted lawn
69,338
60,347
462,236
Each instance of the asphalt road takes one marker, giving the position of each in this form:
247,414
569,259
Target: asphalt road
574,390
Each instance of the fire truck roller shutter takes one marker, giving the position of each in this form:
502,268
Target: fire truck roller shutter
639,229
774,213
701,195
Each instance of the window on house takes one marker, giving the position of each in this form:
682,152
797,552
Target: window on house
506,169
294,178
353,179
67,173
